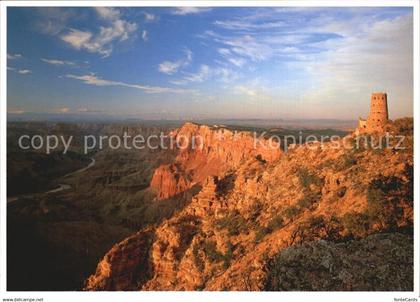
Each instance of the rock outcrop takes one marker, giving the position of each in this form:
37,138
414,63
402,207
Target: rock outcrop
250,208
203,151
126,266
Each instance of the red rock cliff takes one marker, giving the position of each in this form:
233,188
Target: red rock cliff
205,151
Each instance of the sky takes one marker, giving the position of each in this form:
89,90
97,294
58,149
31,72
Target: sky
192,63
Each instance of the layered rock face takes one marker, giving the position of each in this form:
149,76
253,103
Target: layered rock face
120,271
250,208
203,151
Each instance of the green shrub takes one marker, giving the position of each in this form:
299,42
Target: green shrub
211,251
404,126
349,160
357,224
291,211
317,227
227,258
329,163
260,233
234,223
255,209
275,223
308,199
198,261
307,179
385,196
214,255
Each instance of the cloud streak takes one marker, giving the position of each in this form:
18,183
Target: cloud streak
19,71
171,67
370,57
206,72
57,62
14,56
182,11
92,79
145,35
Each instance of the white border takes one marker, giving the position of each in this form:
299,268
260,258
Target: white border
206,296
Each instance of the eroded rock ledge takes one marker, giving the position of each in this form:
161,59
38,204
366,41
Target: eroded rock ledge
126,266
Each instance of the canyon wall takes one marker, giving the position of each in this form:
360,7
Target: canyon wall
251,206
203,151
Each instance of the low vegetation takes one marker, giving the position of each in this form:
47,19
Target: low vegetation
214,255
307,178
233,223
276,222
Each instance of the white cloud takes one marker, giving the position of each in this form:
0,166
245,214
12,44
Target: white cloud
101,42
253,90
230,57
245,90
258,36
77,38
149,17
52,20
190,10
58,62
14,56
265,35
205,72
145,35
249,46
341,57
19,71
168,67
171,67
108,13
239,62
371,56
224,52
24,71
92,79
246,25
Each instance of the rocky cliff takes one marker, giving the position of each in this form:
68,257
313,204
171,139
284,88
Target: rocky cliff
203,151
253,204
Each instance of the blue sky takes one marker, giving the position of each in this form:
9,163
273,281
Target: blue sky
189,63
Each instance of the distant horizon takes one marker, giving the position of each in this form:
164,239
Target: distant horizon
93,117
339,124
26,116
213,63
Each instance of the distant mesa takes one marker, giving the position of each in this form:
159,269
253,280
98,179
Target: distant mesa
378,115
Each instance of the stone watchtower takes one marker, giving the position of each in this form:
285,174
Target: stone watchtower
378,115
